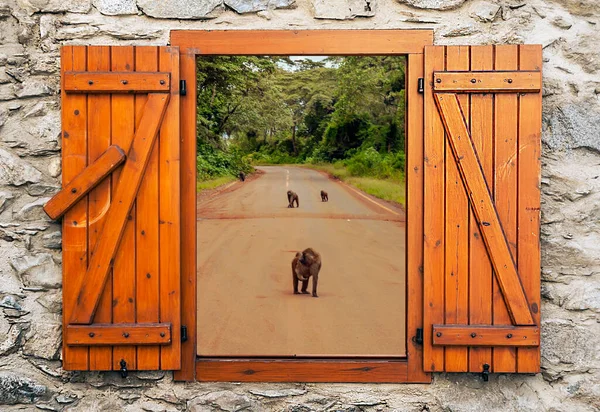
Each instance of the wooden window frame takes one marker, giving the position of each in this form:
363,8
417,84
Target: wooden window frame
308,42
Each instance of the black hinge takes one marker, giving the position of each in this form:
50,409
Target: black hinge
419,336
123,369
485,374
182,88
184,333
421,85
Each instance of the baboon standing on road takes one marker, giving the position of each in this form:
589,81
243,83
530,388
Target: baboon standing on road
292,197
305,265
324,196
242,176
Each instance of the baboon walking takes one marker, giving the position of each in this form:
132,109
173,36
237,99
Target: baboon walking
305,265
242,176
292,197
324,196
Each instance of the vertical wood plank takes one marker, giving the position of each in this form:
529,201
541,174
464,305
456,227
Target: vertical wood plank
147,241
414,223
505,190
169,214
434,202
74,226
530,120
99,117
188,230
456,230
123,128
480,269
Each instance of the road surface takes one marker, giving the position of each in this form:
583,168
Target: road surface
247,238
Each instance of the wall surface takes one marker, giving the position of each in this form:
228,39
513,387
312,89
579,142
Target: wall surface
31,32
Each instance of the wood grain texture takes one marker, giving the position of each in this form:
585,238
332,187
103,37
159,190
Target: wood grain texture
188,229
127,188
478,335
208,370
147,232
99,138
528,209
480,268
487,82
434,218
100,334
80,186
298,42
169,212
485,212
123,130
505,191
74,224
120,82
414,222
456,292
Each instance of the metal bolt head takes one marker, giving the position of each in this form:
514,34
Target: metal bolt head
126,334
74,190
509,336
124,81
162,334
509,80
439,334
473,334
92,334
162,82
473,81
438,80
90,82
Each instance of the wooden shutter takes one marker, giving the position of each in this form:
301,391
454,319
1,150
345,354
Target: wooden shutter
482,201
121,208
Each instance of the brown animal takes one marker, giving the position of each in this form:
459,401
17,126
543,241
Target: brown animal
292,197
305,265
324,196
242,176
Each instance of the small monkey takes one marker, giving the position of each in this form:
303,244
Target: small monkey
242,176
304,265
292,197
324,196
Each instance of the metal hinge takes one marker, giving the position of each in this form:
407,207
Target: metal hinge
421,85
182,88
184,336
485,374
123,369
419,336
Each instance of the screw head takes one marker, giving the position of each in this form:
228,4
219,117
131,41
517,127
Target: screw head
90,82
74,190
439,334
509,336
509,80
438,80
162,82
124,81
162,334
126,334
473,334
92,334
473,81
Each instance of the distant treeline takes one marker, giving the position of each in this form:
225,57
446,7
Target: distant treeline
273,110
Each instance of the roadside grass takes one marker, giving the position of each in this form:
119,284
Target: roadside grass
213,183
389,189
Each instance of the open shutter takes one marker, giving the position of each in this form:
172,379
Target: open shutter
121,206
482,200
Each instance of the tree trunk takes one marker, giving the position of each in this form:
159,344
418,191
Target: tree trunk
294,139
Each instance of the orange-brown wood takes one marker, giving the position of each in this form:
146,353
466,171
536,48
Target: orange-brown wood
127,188
123,129
147,222
99,129
89,178
116,82
505,191
308,42
480,269
74,225
485,212
188,227
477,335
434,218
99,334
487,82
169,214
529,148
414,223
456,231
239,370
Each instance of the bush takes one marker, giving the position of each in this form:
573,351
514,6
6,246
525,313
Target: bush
370,163
212,163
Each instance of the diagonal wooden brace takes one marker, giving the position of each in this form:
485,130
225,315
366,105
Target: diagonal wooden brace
104,252
484,210
84,182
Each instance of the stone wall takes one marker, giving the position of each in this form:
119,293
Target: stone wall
31,32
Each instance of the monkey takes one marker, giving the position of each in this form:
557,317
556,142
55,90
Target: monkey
292,197
324,196
242,176
304,265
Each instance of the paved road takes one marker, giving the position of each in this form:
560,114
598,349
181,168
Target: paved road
247,238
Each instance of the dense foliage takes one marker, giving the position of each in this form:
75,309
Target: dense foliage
272,110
